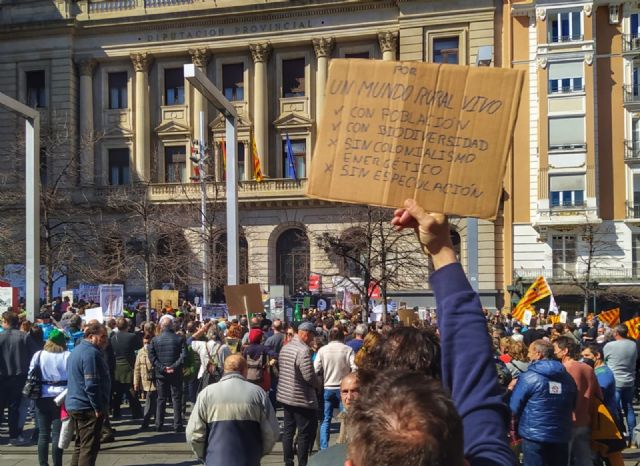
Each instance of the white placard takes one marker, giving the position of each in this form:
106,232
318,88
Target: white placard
94,313
526,318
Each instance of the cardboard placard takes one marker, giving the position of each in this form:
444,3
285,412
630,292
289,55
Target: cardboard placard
527,316
244,299
564,315
407,316
162,298
439,134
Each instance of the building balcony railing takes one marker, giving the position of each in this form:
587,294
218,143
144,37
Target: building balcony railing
267,190
631,94
557,39
631,150
564,274
630,43
633,211
107,6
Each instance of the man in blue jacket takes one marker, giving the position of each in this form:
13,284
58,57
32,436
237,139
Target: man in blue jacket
89,392
543,400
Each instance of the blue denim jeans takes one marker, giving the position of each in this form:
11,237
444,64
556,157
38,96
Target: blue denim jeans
624,398
331,401
544,453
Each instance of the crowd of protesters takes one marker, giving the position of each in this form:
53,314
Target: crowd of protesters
463,385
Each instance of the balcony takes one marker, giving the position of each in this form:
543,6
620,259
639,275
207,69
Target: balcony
563,275
630,44
631,94
108,6
271,190
556,39
632,151
633,212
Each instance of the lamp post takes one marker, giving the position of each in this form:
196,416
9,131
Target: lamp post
200,82
32,196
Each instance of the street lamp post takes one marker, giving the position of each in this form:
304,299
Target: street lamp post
200,82
32,195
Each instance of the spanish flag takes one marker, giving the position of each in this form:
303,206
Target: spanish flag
539,289
610,317
632,325
257,171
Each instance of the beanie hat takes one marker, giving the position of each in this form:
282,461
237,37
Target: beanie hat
58,337
255,336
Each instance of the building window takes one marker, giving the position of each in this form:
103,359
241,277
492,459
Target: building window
292,260
243,167
635,255
566,133
293,78
294,164
364,54
233,81
566,77
174,86
118,90
635,25
118,166
636,196
175,164
565,26
566,190
446,50
563,255
36,89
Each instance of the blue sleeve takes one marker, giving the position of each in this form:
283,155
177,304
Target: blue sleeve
468,370
92,386
519,396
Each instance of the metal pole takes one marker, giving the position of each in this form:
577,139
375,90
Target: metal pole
32,186
233,243
472,252
203,211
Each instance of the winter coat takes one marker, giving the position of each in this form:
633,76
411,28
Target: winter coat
142,369
167,350
543,400
298,381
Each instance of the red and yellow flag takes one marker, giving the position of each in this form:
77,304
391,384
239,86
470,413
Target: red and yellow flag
539,289
610,317
554,319
223,151
257,171
632,325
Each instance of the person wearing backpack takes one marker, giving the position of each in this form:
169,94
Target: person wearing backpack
212,353
259,359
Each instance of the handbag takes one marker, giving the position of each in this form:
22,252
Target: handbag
33,386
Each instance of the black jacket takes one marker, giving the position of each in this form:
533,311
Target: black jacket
125,345
167,350
15,353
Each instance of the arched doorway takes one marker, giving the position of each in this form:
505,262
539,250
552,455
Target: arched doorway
292,259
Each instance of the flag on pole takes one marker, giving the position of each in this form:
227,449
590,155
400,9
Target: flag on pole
539,289
632,325
257,171
553,307
291,163
610,317
223,151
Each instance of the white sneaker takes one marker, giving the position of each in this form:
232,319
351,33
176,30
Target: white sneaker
19,441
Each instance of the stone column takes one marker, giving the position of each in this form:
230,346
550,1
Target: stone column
141,63
87,137
388,44
261,54
323,47
200,58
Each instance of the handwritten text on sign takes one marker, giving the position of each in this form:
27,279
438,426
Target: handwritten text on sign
439,134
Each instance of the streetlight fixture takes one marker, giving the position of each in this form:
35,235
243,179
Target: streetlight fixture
32,197
199,81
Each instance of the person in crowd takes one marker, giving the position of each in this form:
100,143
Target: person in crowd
212,352
88,393
74,331
566,349
290,333
45,322
333,362
52,361
517,334
276,341
371,341
297,394
533,333
232,421
124,344
144,380
358,338
15,353
593,354
234,337
620,355
259,359
543,400
167,353
517,361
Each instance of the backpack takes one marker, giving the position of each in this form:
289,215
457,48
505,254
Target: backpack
255,368
213,369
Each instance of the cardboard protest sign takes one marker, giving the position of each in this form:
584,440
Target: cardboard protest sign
244,299
439,134
163,298
528,315
407,316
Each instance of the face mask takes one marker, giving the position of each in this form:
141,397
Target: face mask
591,362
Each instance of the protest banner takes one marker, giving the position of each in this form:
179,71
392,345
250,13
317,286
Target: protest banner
526,318
213,311
89,292
163,298
111,300
244,299
94,313
67,294
8,297
439,134
407,316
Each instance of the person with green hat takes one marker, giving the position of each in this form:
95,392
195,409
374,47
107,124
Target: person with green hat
52,361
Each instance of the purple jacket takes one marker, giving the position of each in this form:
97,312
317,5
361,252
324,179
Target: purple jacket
468,370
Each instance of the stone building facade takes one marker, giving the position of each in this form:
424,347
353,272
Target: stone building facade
114,69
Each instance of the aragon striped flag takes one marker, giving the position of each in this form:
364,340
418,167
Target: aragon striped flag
632,325
610,317
539,289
